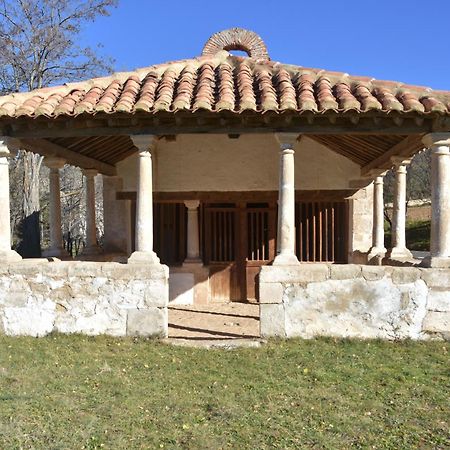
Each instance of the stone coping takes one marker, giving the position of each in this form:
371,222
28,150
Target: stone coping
317,272
92,269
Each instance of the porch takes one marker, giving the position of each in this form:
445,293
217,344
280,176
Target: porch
252,180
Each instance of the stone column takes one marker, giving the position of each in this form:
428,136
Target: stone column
6,254
144,206
378,250
193,240
440,199
92,247
286,202
56,236
398,248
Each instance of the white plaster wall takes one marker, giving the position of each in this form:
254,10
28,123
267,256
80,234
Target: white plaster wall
360,224
250,163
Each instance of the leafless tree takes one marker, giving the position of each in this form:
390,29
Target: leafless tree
38,47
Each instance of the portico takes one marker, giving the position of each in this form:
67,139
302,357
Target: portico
251,180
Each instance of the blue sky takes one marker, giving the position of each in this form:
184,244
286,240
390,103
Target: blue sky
399,40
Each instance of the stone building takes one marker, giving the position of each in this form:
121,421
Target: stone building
231,178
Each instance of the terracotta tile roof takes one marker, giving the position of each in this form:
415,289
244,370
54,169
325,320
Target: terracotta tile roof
223,82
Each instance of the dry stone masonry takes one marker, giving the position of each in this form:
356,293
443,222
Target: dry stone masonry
41,297
355,301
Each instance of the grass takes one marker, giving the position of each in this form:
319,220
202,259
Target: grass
74,392
417,235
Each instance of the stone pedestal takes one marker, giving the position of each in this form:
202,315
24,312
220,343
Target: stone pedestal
286,202
440,200
399,250
144,207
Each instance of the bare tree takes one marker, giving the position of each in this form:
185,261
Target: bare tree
38,47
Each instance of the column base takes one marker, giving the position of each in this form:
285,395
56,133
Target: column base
7,256
59,253
286,259
192,263
376,255
436,262
399,253
143,258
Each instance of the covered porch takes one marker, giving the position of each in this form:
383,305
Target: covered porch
252,181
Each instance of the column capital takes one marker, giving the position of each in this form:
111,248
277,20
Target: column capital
373,174
436,139
144,142
192,204
400,162
287,141
90,173
53,162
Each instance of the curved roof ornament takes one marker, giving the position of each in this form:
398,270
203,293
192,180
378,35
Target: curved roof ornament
236,39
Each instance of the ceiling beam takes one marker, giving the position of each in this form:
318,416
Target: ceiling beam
405,148
46,148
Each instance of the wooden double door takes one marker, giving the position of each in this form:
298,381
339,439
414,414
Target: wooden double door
238,238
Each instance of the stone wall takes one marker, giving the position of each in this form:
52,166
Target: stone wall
355,301
40,297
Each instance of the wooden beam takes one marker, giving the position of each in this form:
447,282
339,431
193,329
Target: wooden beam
170,124
407,147
47,148
242,196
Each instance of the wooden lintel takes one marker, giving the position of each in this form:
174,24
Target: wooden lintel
244,196
405,148
47,148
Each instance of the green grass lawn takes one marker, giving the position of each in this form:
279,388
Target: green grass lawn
417,235
73,392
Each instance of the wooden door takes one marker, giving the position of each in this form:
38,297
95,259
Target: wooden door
260,238
238,240
220,250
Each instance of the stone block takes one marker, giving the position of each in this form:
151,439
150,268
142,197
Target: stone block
27,269
56,269
436,277
301,273
405,275
34,321
156,293
437,322
84,269
345,271
271,293
151,322
119,271
439,300
272,320
374,273
16,299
